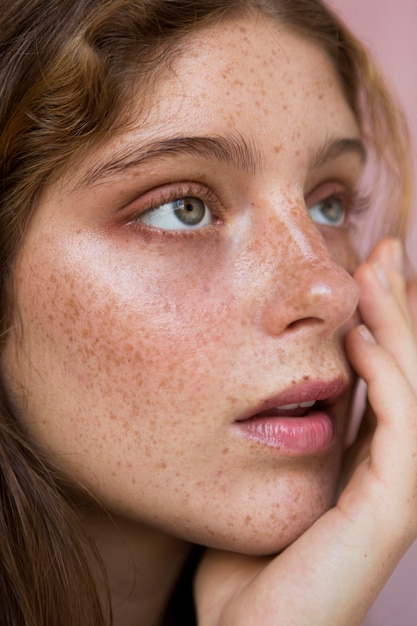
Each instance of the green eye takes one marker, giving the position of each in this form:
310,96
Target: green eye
191,211
181,214
329,211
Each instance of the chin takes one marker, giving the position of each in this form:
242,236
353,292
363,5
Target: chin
265,543
267,529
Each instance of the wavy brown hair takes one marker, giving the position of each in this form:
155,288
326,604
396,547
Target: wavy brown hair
68,72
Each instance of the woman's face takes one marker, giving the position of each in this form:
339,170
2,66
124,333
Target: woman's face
190,278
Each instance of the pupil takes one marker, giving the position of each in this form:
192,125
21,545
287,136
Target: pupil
191,211
332,209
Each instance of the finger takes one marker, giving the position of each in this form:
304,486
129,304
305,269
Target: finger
359,450
388,257
394,445
384,315
412,304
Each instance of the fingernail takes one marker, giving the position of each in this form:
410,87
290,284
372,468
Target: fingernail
382,277
398,255
366,333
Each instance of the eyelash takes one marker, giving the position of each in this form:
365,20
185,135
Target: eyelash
355,203
183,190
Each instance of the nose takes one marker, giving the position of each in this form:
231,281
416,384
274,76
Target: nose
308,287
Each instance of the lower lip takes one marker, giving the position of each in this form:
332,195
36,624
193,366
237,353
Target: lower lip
311,434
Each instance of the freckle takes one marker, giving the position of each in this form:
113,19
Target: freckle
306,377
225,451
248,519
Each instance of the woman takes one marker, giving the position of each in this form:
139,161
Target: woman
180,327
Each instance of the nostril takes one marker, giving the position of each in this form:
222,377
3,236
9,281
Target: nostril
305,321
321,300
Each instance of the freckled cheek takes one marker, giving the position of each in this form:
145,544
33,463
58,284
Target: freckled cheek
142,374
128,337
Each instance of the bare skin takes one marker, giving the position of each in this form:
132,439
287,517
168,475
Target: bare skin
334,571
145,345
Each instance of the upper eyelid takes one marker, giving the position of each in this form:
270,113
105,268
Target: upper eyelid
343,196
331,188
178,191
355,202
169,192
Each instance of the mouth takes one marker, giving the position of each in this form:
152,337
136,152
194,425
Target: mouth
299,421
300,409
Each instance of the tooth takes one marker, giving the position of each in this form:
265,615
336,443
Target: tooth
288,407
302,405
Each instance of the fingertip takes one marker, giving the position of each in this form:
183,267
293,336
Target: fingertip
357,342
390,254
398,256
365,334
365,274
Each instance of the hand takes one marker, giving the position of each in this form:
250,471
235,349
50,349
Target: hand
331,575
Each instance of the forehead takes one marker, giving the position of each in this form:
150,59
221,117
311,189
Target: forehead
252,78
251,62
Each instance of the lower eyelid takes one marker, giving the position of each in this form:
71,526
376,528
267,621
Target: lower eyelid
151,233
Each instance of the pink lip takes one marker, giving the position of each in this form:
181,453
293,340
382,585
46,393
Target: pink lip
311,433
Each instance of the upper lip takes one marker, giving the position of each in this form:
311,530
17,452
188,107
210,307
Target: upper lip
328,392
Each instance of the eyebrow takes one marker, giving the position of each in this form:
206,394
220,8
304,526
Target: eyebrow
334,148
231,150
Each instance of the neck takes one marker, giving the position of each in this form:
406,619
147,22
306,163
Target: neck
143,566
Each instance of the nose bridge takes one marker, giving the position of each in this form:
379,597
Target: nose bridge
307,284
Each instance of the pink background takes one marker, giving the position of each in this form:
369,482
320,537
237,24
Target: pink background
389,29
